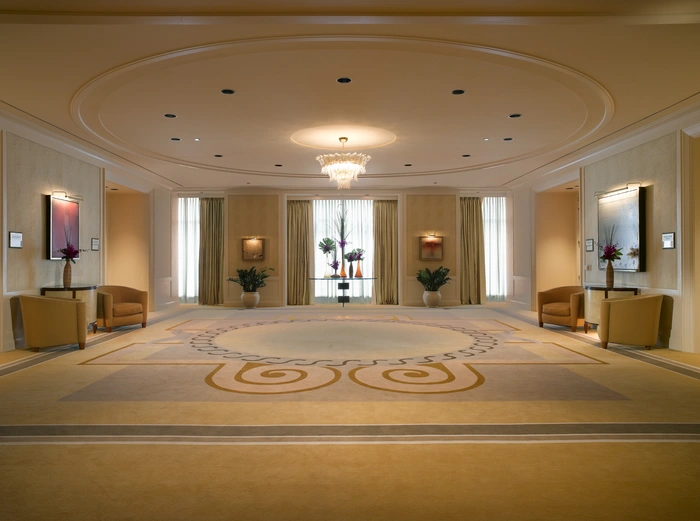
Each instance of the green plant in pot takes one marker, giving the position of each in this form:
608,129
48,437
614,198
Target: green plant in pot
251,280
432,282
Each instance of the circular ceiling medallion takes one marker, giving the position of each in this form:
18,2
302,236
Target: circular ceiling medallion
328,136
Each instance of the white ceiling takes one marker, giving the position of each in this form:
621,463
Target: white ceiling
104,74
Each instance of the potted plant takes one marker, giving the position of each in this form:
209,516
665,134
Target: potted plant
250,280
432,281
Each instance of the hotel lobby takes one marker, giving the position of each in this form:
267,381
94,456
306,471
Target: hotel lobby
377,407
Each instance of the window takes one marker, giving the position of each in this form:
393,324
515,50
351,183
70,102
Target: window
493,211
360,235
188,249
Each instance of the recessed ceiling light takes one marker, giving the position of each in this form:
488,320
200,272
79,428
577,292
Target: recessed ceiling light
344,80
458,92
115,189
486,139
514,116
408,164
175,139
218,155
507,139
434,182
228,91
569,188
170,116
247,183
196,139
466,155
278,166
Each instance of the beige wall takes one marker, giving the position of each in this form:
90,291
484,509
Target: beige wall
426,214
556,240
163,268
31,172
522,288
127,241
256,215
695,172
654,165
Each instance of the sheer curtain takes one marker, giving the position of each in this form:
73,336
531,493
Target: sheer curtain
188,249
494,215
361,235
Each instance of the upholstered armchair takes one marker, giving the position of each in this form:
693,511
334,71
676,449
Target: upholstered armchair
121,306
630,320
49,322
562,306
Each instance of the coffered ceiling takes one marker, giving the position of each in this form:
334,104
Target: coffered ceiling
205,96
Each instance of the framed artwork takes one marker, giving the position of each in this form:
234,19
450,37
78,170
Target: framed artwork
621,214
668,240
430,248
15,239
95,244
63,226
253,249
589,245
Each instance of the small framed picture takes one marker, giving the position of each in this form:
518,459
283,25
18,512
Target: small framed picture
589,245
15,239
95,244
668,240
253,249
430,248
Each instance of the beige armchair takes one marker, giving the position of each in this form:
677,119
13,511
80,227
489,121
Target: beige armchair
121,306
562,306
49,322
630,320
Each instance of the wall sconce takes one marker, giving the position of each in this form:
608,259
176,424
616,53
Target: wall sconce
628,188
61,194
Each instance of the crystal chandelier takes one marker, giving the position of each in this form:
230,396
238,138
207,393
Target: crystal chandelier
344,167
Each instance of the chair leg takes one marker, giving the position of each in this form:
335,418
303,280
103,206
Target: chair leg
143,324
81,345
109,330
648,348
604,344
573,329
35,349
94,328
541,324
585,327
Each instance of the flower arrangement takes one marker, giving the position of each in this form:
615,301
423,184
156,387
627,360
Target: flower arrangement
327,245
251,279
341,227
610,250
355,255
335,264
70,252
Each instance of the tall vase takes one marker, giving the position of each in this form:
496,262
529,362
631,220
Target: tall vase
343,273
358,271
327,273
350,273
67,274
609,275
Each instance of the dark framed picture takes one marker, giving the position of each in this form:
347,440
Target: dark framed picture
95,244
668,240
253,249
589,245
430,248
15,239
63,226
621,222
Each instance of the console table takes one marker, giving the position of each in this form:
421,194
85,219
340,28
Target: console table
343,285
85,292
593,296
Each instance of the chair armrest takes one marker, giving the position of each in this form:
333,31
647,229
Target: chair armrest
576,305
53,321
105,304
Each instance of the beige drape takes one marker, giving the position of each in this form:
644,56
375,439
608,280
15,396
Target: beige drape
473,264
386,248
211,250
299,238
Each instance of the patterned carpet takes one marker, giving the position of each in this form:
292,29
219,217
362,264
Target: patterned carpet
358,376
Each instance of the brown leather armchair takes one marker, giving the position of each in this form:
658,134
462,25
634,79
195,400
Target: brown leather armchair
562,306
50,322
121,306
630,320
